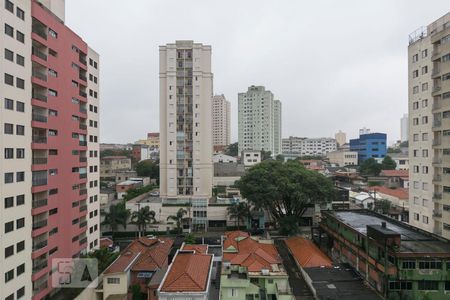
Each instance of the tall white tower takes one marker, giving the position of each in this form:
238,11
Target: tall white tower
404,128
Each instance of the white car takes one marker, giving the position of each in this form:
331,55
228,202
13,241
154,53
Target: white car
154,194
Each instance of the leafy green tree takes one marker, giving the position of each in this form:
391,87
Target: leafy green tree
393,150
148,168
265,155
104,258
370,167
285,190
384,205
142,218
133,193
189,239
178,218
116,152
117,215
239,211
280,157
136,292
388,163
232,149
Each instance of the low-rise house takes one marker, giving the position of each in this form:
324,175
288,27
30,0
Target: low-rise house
139,263
125,175
109,165
123,187
222,158
396,178
189,276
252,269
250,158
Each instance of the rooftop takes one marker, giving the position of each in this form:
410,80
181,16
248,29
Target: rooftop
142,254
197,248
413,240
188,272
114,157
395,173
307,254
400,193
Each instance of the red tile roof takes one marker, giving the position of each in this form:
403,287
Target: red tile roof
395,173
250,253
105,242
188,273
197,248
307,254
400,193
143,254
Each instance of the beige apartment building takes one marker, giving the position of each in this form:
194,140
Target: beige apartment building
220,121
152,140
429,126
185,126
109,165
343,158
15,160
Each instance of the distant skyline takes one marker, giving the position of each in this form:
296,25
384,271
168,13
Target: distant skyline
334,65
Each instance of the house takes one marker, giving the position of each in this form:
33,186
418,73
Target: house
222,158
189,275
252,269
123,187
250,158
396,178
140,263
109,165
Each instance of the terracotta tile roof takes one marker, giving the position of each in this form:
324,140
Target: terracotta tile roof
400,193
250,253
143,254
307,254
188,273
395,173
197,248
105,242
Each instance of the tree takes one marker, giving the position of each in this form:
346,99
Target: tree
239,211
388,163
178,218
117,215
393,150
265,155
232,149
280,157
142,218
384,205
134,192
104,258
116,152
189,239
285,190
370,167
148,168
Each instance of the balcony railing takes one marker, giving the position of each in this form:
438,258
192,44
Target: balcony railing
40,32
83,224
39,160
83,241
39,181
39,139
39,224
435,54
435,72
40,97
83,77
83,94
83,110
83,60
82,143
39,53
83,192
437,213
38,74
39,118
37,266
82,176
437,178
83,126
40,287
436,88
39,245
83,207
39,203
83,159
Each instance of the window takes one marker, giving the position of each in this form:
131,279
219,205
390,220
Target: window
20,200
113,280
415,73
53,152
20,153
20,106
20,223
9,79
424,70
425,169
415,89
52,92
416,217
415,58
52,73
20,292
425,120
415,105
425,136
20,36
9,226
446,76
425,153
20,60
415,137
9,55
20,269
9,153
9,177
400,285
9,104
424,53
424,86
20,246
9,202
52,33
425,219
427,285
9,251
430,265
52,132
9,275
21,15
20,83
9,6
9,30
20,130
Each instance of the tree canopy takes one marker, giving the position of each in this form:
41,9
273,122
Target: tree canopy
232,149
370,167
148,168
265,155
285,190
388,163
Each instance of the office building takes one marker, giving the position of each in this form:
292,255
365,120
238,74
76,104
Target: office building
404,128
300,146
220,121
371,145
50,140
259,121
185,126
341,138
429,103
364,130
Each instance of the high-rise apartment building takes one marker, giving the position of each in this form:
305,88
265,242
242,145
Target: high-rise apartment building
49,164
404,128
185,126
220,121
341,138
429,126
259,121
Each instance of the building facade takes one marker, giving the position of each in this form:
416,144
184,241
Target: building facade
152,140
341,138
343,158
109,165
221,121
185,126
429,94
371,145
404,123
299,146
259,121
50,145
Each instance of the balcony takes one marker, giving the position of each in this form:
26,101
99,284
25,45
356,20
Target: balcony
39,203
39,28
437,160
39,224
39,178
39,286
82,126
83,208
39,265
436,54
83,176
437,196
38,53
82,143
39,96
39,74
83,94
82,76
83,224
39,160
437,214
435,72
39,118
83,192
437,178
83,109
83,241
39,245
83,159
82,58
436,89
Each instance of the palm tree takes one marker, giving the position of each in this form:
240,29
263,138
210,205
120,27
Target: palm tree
117,215
239,211
178,218
142,218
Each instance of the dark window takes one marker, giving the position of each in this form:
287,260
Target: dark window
20,83
430,265
9,202
9,79
52,251
20,130
53,192
9,30
9,6
20,269
20,153
53,152
9,226
10,297
9,251
21,15
9,275
20,292
9,128
53,231
20,60
20,106
20,246
9,153
409,265
53,211
9,177
20,36
9,55
20,176
9,104
20,199
20,223
428,285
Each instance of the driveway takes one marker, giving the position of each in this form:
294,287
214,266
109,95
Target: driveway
296,281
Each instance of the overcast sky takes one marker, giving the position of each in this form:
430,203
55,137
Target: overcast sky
333,64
